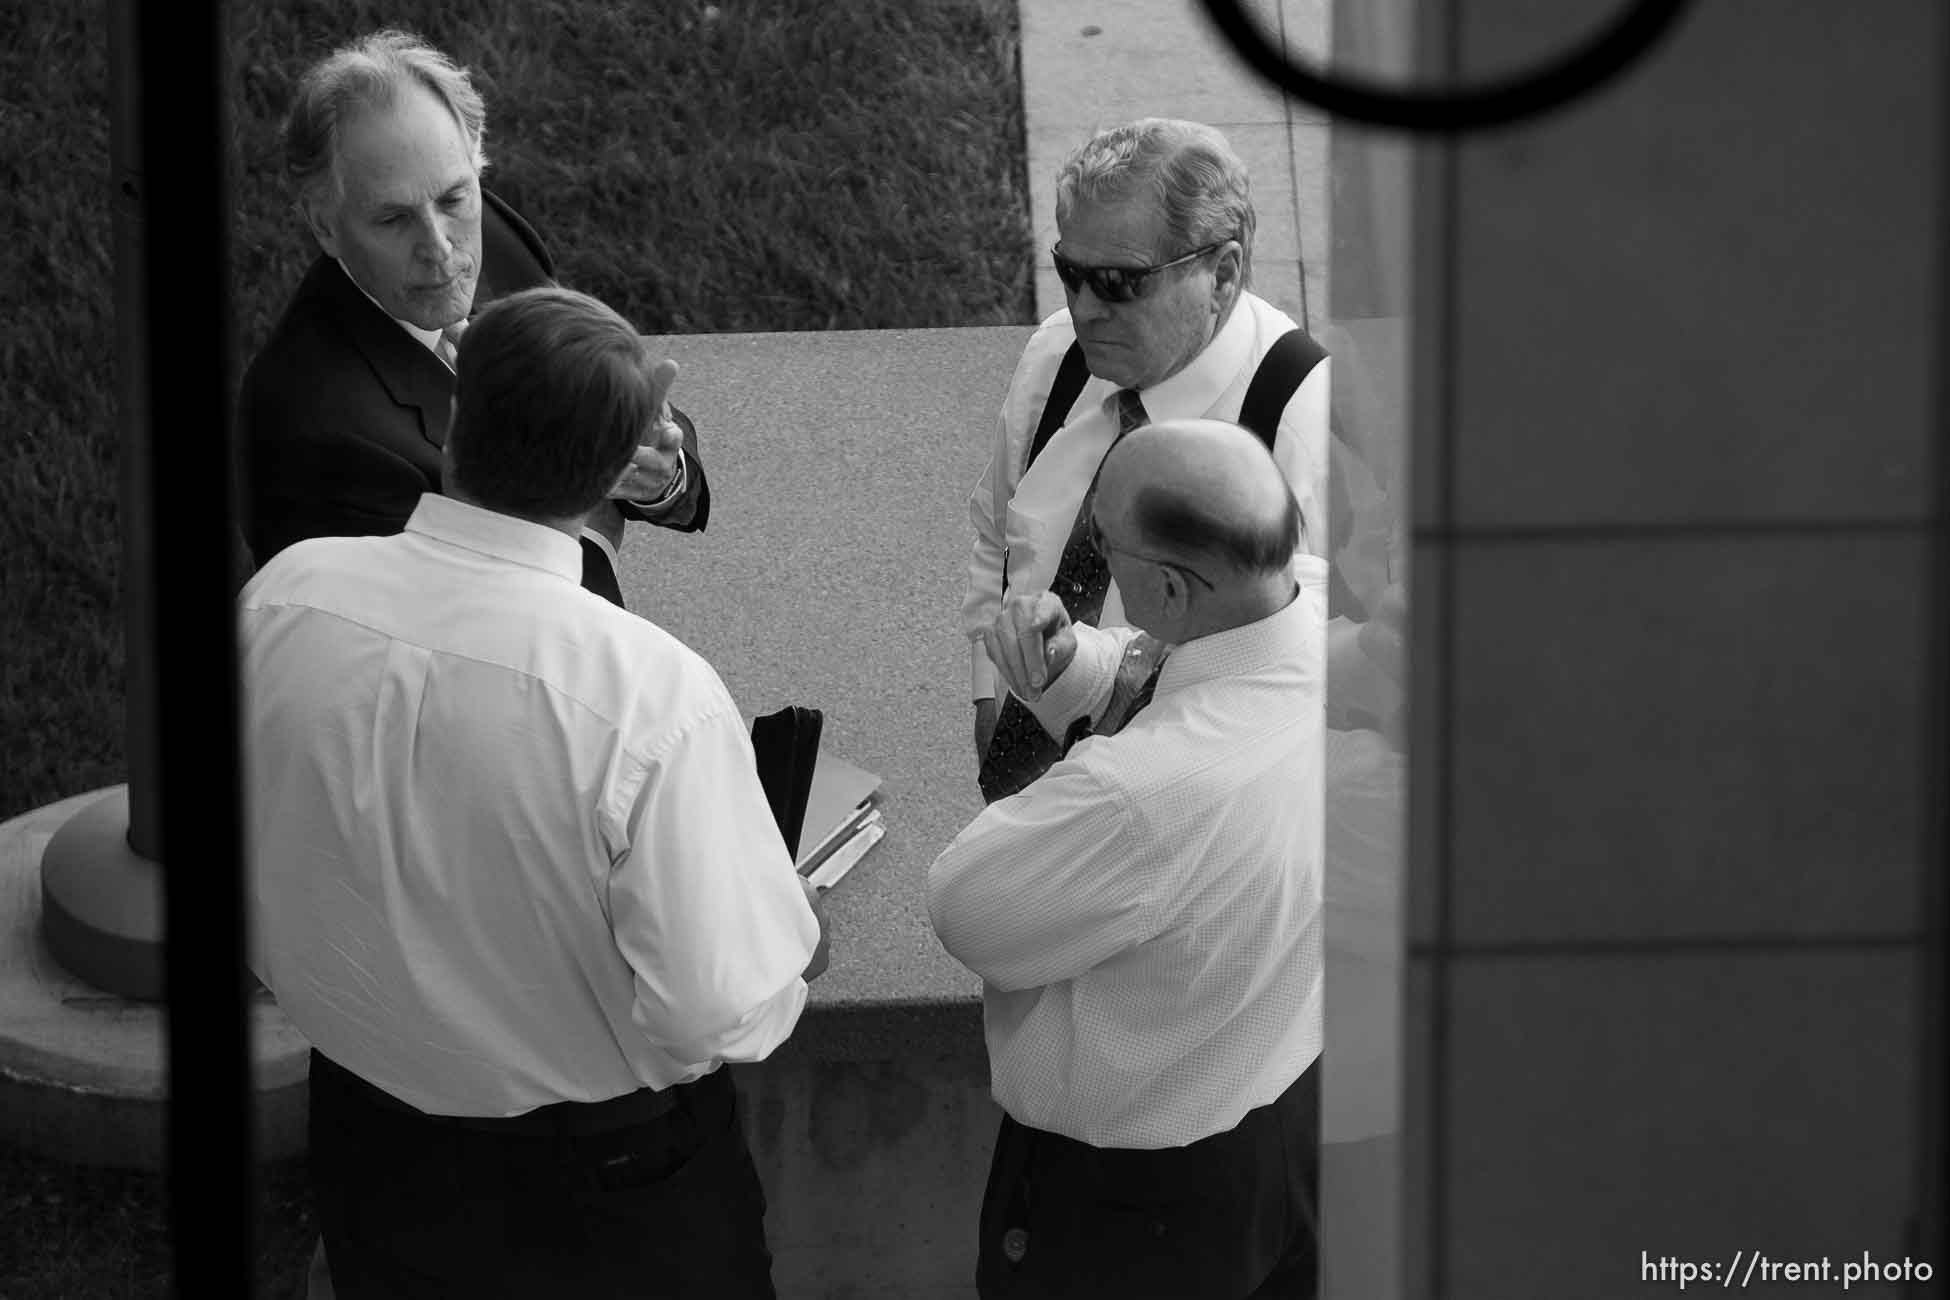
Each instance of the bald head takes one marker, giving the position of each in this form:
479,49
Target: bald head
1205,493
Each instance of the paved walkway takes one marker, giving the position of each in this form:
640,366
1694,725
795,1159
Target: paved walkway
1095,63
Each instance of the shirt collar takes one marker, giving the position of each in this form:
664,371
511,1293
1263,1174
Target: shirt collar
491,533
1195,389
1279,636
429,339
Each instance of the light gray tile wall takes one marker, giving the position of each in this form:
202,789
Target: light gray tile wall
1674,439
1707,295
1699,736
1601,1108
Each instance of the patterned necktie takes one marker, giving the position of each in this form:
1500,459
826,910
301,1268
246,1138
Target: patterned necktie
1021,750
1082,576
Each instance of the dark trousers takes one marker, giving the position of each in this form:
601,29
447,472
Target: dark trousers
1230,1216
420,1206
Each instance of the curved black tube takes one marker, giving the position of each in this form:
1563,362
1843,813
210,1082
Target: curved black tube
1446,112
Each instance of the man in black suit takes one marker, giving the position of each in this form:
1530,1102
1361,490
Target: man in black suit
344,413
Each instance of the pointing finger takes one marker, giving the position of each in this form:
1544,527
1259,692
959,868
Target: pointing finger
662,376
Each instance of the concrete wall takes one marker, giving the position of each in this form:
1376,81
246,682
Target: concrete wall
1676,749
873,1171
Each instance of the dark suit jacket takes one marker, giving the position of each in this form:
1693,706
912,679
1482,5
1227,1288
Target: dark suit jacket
343,414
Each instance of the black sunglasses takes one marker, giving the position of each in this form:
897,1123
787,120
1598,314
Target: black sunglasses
1118,283
1102,545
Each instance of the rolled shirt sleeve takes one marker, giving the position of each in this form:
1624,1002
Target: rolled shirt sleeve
705,902
1083,688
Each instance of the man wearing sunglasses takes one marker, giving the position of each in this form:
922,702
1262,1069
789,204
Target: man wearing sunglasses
1146,917
1155,231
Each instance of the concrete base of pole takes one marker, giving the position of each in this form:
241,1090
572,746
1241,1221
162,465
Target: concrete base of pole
102,902
83,1071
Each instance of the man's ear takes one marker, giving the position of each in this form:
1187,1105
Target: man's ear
321,218
1174,592
1228,274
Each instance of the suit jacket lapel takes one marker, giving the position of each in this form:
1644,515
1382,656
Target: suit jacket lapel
413,377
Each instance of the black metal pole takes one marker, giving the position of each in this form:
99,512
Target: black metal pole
1635,30
180,72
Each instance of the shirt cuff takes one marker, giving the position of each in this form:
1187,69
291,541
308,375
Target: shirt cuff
673,494
591,535
1083,688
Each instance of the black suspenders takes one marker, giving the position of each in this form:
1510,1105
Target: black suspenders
1281,371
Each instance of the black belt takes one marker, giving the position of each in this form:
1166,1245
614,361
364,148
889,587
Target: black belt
558,1119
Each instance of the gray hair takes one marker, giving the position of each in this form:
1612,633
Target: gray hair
1197,179
369,73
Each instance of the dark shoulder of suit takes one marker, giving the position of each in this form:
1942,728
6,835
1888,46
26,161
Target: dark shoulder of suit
340,419
513,256
314,372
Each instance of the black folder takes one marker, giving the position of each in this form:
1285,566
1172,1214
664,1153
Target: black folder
786,744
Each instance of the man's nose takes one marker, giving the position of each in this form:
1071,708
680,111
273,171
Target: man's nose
436,241
1085,305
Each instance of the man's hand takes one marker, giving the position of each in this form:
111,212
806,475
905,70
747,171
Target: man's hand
986,713
822,953
653,469
1031,643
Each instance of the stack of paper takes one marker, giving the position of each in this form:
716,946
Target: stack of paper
843,821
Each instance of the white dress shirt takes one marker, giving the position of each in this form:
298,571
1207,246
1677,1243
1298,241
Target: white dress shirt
1146,916
507,842
1026,518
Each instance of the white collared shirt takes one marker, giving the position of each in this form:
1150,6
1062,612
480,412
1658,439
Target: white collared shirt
1146,916
1026,518
507,841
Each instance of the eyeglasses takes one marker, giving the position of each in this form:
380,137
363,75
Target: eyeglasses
1118,283
1102,545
